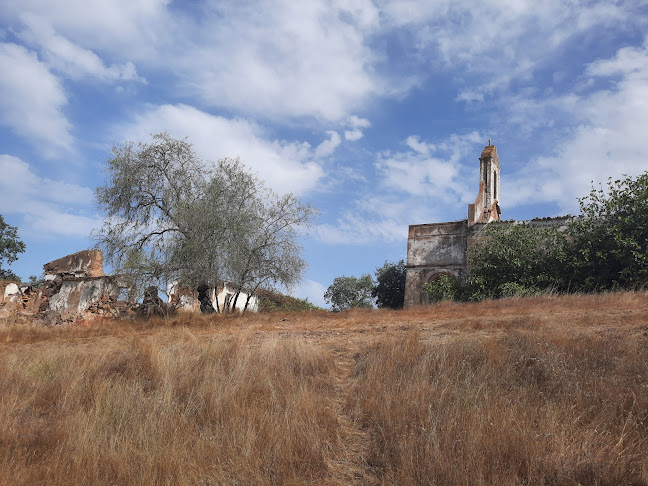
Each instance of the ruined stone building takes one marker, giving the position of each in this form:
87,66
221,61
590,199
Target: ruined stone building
75,289
435,249
221,298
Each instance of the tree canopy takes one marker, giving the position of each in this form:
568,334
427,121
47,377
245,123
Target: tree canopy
350,292
609,247
605,248
10,246
171,217
389,290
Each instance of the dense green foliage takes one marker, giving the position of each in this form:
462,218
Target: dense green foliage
10,246
610,243
271,301
606,248
350,292
446,287
389,290
511,259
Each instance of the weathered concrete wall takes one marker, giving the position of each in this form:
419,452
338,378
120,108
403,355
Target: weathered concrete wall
86,263
77,296
433,249
222,298
225,298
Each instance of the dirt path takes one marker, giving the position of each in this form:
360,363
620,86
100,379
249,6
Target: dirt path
352,467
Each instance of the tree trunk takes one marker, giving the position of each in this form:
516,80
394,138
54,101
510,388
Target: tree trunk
236,296
247,301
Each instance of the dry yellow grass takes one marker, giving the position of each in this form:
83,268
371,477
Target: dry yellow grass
549,390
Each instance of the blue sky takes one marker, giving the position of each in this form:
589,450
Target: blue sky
375,112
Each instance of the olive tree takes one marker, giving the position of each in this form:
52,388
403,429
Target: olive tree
171,217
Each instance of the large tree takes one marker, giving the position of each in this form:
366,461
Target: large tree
171,217
10,246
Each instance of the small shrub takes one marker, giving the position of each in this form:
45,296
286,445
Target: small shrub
271,301
514,289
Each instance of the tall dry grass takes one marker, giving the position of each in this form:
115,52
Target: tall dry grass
131,411
543,391
525,408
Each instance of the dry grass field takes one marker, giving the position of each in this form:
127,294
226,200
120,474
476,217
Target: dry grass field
538,391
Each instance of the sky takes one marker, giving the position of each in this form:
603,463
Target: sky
375,112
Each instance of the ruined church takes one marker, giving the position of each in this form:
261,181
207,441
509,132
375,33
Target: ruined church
436,249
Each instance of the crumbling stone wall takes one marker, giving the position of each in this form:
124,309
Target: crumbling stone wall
433,249
86,263
440,248
75,288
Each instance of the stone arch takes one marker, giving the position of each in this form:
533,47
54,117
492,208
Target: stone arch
437,275
432,276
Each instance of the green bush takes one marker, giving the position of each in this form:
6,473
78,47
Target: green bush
609,248
446,287
510,257
272,301
350,292
605,248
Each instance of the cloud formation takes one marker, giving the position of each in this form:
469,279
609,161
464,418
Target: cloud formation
50,208
73,61
608,138
287,166
32,100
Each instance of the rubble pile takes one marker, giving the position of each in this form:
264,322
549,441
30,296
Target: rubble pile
75,288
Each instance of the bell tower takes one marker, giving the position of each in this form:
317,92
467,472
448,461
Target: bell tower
486,207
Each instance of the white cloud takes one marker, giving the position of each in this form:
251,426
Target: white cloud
275,60
355,123
322,58
49,208
137,29
283,59
427,182
608,139
496,42
311,290
362,228
32,99
286,166
327,147
353,135
432,170
69,58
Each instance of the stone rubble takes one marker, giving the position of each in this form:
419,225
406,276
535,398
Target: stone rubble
75,289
